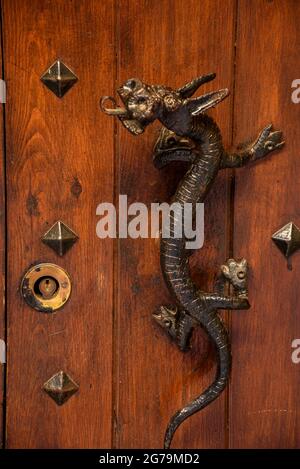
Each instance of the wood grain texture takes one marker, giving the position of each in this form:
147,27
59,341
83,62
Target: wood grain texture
166,42
2,257
265,383
60,166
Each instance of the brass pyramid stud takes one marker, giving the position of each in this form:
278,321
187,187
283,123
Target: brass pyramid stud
287,239
60,238
59,78
60,387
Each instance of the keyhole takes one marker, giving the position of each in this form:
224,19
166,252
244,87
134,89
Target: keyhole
241,275
46,287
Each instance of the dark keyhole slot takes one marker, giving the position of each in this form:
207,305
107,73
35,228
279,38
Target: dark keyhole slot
46,287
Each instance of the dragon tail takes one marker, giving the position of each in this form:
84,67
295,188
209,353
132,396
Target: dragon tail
218,333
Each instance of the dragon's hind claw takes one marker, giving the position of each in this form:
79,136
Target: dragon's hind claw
178,324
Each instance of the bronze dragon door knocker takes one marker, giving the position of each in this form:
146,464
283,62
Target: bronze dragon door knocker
188,134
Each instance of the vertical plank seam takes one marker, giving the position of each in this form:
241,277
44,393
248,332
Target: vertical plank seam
5,320
116,248
231,202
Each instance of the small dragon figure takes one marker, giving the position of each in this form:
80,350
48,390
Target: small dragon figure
189,134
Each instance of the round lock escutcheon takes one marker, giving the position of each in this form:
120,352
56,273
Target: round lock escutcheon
46,287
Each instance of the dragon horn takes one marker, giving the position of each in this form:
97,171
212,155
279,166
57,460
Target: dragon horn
190,88
202,103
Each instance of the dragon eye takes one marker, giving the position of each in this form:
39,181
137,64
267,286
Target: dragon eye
131,84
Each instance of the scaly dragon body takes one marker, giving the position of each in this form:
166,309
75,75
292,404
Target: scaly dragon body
190,135
198,306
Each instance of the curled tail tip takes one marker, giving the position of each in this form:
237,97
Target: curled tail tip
170,431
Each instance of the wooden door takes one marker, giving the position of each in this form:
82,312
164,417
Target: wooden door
62,157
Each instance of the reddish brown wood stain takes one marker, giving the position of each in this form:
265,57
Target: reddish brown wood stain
155,378
50,142
2,261
264,408
64,157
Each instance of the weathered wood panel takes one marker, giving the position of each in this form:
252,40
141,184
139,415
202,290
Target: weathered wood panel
265,383
59,166
166,42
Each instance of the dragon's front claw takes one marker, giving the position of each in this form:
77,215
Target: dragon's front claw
274,141
267,142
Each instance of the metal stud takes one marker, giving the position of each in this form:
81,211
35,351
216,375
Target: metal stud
60,387
59,78
287,239
60,238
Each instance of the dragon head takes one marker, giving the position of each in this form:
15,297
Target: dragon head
143,104
236,272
